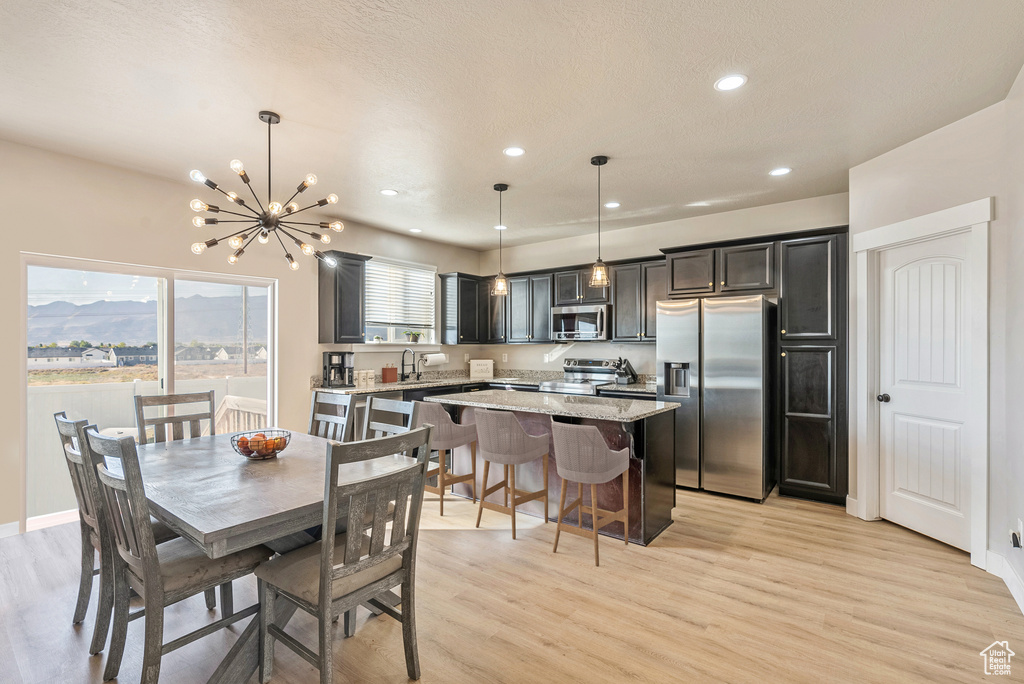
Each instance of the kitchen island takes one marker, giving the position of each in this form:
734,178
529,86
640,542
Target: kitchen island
647,428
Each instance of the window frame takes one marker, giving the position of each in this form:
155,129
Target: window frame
394,336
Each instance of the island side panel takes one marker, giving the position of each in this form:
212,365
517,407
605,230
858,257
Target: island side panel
659,473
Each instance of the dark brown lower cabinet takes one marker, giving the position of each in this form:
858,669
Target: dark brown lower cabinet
813,463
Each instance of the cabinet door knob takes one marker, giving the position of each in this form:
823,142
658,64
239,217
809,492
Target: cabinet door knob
711,284
783,332
783,353
723,282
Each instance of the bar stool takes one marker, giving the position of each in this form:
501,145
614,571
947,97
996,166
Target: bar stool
504,441
446,436
583,457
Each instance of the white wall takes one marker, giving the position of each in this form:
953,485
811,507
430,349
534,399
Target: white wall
62,205
640,241
976,157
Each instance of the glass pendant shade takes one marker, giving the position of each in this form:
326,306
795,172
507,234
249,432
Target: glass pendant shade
599,274
500,288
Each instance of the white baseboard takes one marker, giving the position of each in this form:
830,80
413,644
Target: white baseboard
42,521
997,565
9,529
851,506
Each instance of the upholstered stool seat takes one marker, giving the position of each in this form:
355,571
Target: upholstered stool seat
444,438
583,457
504,441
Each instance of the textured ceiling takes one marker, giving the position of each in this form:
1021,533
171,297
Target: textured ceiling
422,96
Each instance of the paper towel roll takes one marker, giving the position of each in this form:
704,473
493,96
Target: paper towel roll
434,359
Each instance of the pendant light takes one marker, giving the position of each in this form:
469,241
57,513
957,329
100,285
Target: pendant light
500,288
599,272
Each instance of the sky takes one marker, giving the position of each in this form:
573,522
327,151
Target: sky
47,285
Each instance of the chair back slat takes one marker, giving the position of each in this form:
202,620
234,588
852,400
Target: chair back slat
381,414
126,508
331,416
80,466
175,425
403,488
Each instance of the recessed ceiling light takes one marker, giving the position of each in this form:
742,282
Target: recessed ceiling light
730,82
612,205
500,227
699,204
781,171
389,193
514,151
415,230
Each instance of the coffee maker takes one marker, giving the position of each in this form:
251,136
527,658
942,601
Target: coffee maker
339,369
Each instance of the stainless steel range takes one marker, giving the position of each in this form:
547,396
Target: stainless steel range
585,376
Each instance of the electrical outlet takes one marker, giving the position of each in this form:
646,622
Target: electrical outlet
504,358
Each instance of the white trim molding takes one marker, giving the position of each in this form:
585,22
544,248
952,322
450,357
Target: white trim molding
999,566
10,529
973,219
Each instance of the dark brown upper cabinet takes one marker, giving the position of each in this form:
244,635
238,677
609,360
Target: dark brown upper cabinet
573,287
808,294
743,268
495,320
691,272
636,289
462,309
341,304
529,308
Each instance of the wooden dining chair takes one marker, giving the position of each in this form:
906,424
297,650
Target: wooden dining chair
335,575
332,416
94,533
385,417
162,575
175,425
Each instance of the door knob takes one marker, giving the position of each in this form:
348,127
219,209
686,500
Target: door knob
884,398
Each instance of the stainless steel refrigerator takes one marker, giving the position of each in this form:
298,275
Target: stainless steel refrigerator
716,358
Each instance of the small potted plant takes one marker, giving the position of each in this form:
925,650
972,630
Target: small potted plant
378,339
412,336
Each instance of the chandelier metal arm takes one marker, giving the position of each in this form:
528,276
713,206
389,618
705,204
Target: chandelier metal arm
249,185
239,232
235,213
292,237
297,230
243,205
311,206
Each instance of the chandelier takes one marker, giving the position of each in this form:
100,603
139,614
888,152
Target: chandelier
271,221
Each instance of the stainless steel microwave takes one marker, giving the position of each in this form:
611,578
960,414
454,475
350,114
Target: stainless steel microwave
580,322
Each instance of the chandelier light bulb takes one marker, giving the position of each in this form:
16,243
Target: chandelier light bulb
325,238
235,242
310,179
197,176
198,247
198,221
306,249
263,238
233,196
237,166
293,264
330,261
232,259
275,208
294,206
337,226
198,205
332,199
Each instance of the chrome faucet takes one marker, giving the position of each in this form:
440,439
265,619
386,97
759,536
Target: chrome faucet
403,375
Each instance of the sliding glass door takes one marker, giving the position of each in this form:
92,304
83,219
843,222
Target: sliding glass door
97,338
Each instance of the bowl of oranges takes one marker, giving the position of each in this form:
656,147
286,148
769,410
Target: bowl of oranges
260,445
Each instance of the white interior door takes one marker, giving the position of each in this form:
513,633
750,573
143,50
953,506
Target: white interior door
924,412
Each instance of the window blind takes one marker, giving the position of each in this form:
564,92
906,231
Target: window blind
399,294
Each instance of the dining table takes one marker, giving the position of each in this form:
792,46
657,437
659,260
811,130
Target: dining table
223,502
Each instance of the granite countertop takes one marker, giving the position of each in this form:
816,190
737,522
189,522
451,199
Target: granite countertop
574,406
419,384
639,387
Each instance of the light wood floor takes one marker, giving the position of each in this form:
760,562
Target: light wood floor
788,591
